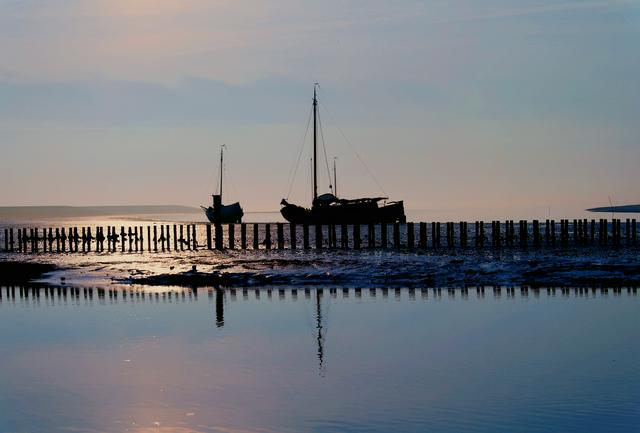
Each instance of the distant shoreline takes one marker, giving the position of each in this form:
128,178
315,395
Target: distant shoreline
77,211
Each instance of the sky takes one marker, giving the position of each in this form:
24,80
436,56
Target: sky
467,108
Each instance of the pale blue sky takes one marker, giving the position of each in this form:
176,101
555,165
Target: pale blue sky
468,107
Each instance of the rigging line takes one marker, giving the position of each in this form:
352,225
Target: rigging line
294,172
364,164
230,183
324,149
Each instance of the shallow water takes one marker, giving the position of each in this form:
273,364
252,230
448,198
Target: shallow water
442,267
322,341
171,360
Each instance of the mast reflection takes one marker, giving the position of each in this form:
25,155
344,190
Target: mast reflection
320,329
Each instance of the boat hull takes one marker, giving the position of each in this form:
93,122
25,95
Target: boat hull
353,213
229,214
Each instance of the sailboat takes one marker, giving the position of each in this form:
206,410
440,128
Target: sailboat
229,214
329,209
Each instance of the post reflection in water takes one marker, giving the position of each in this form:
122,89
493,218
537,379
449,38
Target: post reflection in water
219,307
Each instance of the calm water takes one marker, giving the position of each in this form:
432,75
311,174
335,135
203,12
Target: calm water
319,361
362,354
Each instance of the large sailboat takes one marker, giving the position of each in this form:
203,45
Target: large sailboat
329,209
229,214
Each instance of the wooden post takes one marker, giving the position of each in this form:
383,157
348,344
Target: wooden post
19,240
243,236
267,236
396,235
6,240
476,233
356,237
90,238
280,235
383,235
194,237
232,236
553,232
293,234
175,238
579,236
344,236
217,211
168,236
149,237
218,236
75,239
423,235
162,238
463,234
305,236
256,237
371,235
536,233
318,231
11,242
155,238
411,236
592,233
188,241
627,231
524,234
63,239
136,238
209,236
99,235
547,232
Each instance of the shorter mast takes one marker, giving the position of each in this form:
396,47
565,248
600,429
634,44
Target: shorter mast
335,178
221,153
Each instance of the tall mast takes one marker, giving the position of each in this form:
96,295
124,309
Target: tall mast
315,139
221,152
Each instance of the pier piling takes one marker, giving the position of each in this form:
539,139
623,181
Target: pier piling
292,236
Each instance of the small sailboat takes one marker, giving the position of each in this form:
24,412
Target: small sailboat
329,209
229,214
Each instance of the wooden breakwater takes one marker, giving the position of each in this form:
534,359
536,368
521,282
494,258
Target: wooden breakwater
435,235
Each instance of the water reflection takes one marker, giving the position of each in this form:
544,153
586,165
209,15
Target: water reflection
468,360
219,308
218,295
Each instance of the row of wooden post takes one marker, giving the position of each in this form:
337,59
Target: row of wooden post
162,238
158,238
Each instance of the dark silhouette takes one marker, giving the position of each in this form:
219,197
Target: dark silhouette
219,308
229,214
329,209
